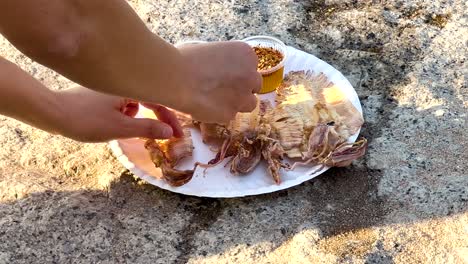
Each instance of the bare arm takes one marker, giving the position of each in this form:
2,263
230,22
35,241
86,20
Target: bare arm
77,113
26,99
104,45
93,42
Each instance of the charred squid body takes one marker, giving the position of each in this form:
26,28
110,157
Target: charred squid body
247,142
243,140
344,154
166,154
248,155
244,153
273,153
326,148
173,176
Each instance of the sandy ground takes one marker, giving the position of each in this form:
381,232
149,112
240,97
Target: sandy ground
405,202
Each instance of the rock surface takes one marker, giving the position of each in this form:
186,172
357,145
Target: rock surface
405,202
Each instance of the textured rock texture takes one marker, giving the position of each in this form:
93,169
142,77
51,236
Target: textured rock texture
405,202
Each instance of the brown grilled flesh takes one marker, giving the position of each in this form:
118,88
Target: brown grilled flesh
166,154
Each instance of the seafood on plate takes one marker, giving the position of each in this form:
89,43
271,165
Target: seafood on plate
166,154
309,125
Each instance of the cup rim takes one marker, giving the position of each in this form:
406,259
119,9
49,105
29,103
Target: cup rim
265,37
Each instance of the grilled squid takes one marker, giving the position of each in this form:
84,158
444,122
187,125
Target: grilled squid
166,154
310,125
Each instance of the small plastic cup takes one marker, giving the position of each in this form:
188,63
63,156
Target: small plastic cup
272,77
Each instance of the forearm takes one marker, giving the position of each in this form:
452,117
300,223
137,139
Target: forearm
26,99
101,44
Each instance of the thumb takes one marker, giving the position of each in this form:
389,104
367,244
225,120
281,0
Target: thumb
145,127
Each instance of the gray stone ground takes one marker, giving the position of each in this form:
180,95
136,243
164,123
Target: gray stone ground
405,202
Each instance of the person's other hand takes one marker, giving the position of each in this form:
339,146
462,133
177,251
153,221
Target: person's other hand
221,82
89,116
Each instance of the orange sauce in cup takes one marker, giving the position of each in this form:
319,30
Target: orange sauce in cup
268,61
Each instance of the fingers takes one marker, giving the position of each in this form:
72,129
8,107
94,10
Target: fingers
255,79
144,127
250,104
257,83
167,116
247,52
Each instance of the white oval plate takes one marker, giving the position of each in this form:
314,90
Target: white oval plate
218,181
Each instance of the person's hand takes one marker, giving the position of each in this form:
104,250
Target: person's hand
221,82
89,116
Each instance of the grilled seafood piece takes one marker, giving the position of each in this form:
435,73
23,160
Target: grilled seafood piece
310,125
305,100
326,148
166,154
249,142
212,133
248,156
273,153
